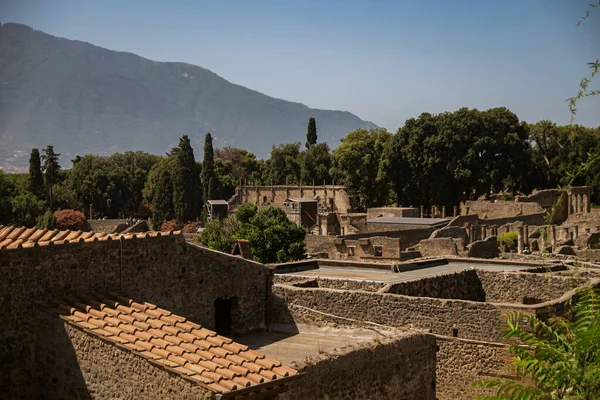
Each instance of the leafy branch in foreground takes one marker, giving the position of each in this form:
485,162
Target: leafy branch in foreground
559,359
585,82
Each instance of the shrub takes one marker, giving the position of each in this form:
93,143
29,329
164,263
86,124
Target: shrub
191,227
168,226
509,239
70,219
46,220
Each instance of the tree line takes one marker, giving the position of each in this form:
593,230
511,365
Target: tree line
434,159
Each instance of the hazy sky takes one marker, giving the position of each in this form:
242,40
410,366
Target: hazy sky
385,61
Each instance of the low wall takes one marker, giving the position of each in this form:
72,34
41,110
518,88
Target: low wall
167,271
107,225
400,368
473,320
525,288
342,248
463,285
346,284
461,362
500,209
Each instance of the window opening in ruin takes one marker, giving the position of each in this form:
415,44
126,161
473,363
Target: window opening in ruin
454,332
331,203
264,199
351,251
223,321
378,251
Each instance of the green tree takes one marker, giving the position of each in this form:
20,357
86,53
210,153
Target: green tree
6,193
315,164
283,166
158,192
311,133
50,170
36,179
219,234
26,208
356,164
186,183
208,171
272,236
560,358
111,185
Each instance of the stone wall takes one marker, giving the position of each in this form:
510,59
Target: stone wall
461,362
399,368
355,249
500,209
525,288
404,212
107,225
276,195
346,284
166,271
472,320
441,247
71,364
409,237
463,285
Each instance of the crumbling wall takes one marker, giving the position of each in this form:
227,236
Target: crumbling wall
441,247
404,212
107,225
166,271
398,368
338,248
500,209
408,237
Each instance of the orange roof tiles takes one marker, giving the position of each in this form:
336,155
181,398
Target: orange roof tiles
12,237
171,341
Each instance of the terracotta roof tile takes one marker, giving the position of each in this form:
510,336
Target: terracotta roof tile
12,237
196,353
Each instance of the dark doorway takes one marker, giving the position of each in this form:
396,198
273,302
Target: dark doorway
223,316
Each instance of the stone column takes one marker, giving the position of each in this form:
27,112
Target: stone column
495,230
443,211
520,240
482,232
422,211
432,212
526,234
455,211
565,234
578,203
553,236
569,204
586,204
466,210
470,229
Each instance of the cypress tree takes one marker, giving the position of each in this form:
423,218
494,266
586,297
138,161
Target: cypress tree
51,169
311,134
36,179
186,183
208,171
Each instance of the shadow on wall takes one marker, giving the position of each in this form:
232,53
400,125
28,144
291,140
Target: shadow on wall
48,369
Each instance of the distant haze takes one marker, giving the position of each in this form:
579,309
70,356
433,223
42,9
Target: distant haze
85,99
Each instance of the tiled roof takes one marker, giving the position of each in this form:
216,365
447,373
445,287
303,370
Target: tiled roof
198,354
12,237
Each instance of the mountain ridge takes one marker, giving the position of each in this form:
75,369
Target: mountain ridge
83,98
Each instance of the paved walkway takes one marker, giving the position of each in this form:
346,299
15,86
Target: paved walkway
288,347
379,275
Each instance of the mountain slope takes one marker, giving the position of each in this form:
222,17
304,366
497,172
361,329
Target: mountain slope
82,98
